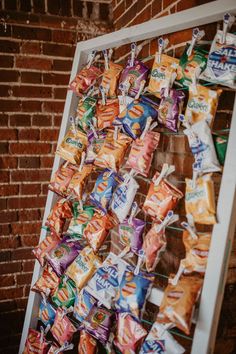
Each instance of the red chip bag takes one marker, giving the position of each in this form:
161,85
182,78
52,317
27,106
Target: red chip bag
84,79
62,329
45,246
36,343
87,344
106,114
58,216
47,283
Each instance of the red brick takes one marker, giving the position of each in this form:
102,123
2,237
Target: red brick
28,266
28,134
8,134
42,120
30,175
30,240
6,61
7,280
9,46
5,256
9,268
21,303
31,106
11,293
26,202
25,5
119,10
20,120
156,7
30,47
57,121
49,134
22,279
4,148
127,16
62,65
29,162
30,189
45,189
58,50
55,79
46,161
4,176
33,63
26,32
10,105
3,203
9,189
9,75
180,37
143,16
7,242
185,4
4,120
28,215
31,77
29,91
22,253
30,148
11,5
60,93
5,229
64,36
39,6
26,290
25,228
53,106
5,91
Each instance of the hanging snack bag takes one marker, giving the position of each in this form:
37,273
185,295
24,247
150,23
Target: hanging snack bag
36,342
134,118
62,329
85,112
47,283
129,335
54,349
110,78
98,229
95,142
104,284
113,151
83,304
200,199
179,300
44,247
83,267
133,292
87,344
64,295
159,340
222,60
106,113
63,254
81,217
123,197
162,195
72,146
170,107
154,243
103,189
60,212
47,313
62,178
202,104
78,181
220,143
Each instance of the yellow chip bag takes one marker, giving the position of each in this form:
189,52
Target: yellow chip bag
202,104
83,267
110,78
78,181
161,73
72,146
200,199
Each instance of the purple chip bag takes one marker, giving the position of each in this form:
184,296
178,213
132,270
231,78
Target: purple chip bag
98,323
130,232
63,254
170,107
133,76
94,145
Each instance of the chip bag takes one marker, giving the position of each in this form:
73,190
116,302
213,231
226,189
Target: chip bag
64,296
110,78
62,329
47,283
83,304
85,79
159,340
105,114
60,212
200,199
83,267
36,342
162,70
85,112
222,60
130,233
95,142
179,300
44,247
47,313
61,179
78,181
220,143
81,217
162,195
112,152
87,344
54,349
103,189
72,146
202,104
98,229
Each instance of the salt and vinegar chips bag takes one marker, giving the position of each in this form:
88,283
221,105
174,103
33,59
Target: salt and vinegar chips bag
200,199
110,78
105,114
62,329
202,104
83,304
61,179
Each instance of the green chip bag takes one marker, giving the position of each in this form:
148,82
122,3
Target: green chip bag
64,296
189,65
81,217
85,112
220,142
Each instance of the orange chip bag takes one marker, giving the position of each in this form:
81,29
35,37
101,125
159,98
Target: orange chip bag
161,73
106,114
62,329
60,212
61,179
72,146
97,230
110,78
77,183
202,104
162,195
45,246
200,199
47,283
179,300
84,79
113,151
36,343
87,344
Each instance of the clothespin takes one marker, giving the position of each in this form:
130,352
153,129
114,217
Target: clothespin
66,346
147,126
116,130
162,328
72,122
169,219
162,44
190,226
166,171
91,57
195,80
169,83
175,280
110,52
134,211
196,36
196,171
228,20
89,93
133,53
141,87
83,156
141,259
106,59
103,95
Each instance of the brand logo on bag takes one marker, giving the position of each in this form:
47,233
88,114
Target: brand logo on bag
156,74
106,278
74,142
195,195
198,106
153,346
223,59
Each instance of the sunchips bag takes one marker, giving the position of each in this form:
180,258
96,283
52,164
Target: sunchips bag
61,179
85,112
105,114
110,78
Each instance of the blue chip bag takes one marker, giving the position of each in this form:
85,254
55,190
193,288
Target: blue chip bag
83,304
47,313
103,189
133,291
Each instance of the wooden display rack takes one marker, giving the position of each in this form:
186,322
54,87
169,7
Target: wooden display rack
223,231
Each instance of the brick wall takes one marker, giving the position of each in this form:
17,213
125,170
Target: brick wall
37,48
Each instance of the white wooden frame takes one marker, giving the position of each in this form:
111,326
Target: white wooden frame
223,232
